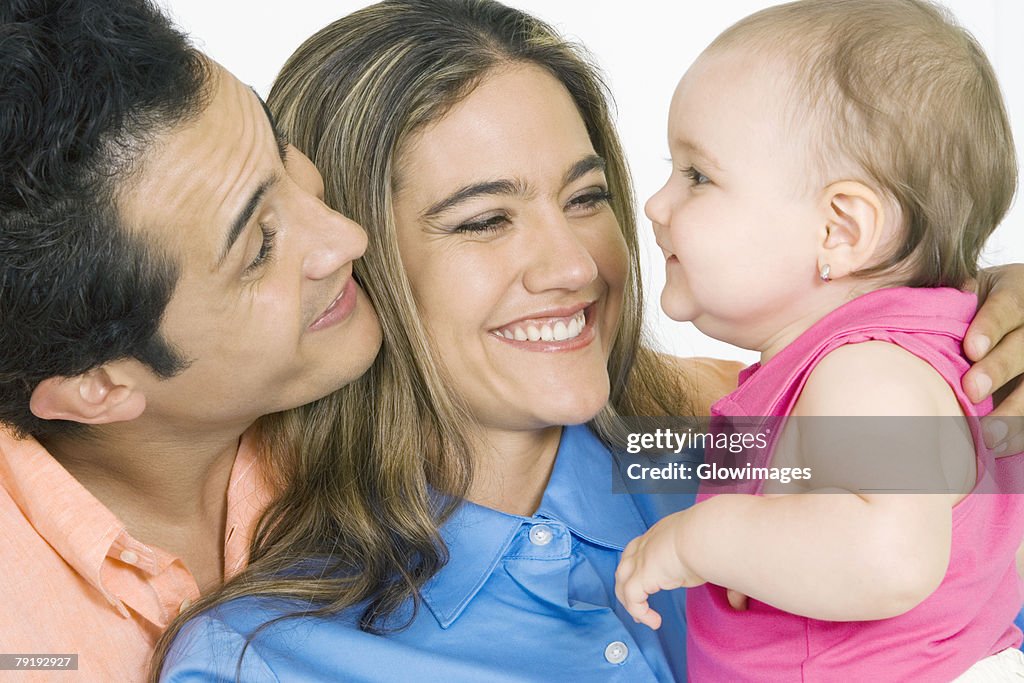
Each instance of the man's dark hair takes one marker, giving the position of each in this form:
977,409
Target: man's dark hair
85,87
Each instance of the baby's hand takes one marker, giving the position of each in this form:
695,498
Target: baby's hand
651,563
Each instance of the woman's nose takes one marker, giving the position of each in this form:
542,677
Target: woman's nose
558,258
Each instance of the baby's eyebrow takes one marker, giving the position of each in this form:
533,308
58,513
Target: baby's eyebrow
695,149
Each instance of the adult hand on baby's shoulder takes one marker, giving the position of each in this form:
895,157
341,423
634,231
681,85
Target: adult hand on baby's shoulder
995,341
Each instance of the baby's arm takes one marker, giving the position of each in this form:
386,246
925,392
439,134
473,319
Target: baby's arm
839,556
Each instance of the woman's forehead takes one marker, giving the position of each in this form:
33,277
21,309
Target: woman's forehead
519,121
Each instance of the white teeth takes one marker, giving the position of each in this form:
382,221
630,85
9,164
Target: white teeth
559,331
574,329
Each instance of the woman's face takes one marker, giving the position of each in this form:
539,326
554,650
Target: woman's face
516,260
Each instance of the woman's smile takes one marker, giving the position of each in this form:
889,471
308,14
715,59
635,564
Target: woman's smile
550,330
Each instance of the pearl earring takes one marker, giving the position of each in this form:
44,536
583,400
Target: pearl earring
824,273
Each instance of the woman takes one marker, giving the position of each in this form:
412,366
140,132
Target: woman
477,149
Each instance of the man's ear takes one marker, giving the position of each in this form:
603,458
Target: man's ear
94,397
855,224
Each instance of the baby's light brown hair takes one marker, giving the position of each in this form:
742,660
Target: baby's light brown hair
897,95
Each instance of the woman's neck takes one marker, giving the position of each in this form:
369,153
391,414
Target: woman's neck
512,469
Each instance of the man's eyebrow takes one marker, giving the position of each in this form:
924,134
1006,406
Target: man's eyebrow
493,187
279,136
582,167
243,218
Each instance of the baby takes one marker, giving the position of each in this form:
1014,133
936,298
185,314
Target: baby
838,165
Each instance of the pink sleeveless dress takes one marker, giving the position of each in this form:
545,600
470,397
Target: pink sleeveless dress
969,617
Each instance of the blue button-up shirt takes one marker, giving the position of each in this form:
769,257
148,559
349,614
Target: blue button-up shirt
522,598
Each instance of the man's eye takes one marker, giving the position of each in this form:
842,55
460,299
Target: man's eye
266,248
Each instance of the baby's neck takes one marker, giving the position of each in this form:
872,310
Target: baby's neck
804,314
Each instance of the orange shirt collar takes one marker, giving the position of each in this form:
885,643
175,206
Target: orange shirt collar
84,532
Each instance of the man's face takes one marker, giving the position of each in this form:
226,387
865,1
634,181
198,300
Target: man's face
265,308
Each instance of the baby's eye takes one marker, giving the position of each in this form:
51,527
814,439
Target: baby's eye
695,176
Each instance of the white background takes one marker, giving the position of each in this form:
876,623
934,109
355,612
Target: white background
643,46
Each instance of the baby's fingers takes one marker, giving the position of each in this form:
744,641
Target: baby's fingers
642,613
632,595
650,619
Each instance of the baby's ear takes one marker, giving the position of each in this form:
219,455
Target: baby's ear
94,397
854,227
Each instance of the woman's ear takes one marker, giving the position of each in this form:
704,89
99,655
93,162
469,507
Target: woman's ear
855,223
94,397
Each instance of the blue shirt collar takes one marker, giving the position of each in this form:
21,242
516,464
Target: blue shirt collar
579,495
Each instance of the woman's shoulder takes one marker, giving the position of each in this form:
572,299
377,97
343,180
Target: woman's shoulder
705,379
254,637
214,646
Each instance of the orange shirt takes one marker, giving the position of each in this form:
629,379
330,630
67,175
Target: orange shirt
73,581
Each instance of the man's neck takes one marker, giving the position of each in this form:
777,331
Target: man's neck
169,491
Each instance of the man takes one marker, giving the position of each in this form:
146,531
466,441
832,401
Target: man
164,282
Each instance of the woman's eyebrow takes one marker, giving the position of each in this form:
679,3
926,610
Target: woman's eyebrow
589,163
493,187
509,187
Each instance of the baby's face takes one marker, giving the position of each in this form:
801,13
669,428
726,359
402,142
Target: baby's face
738,219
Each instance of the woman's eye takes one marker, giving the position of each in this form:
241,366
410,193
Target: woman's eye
491,223
591,199
266,248
695,176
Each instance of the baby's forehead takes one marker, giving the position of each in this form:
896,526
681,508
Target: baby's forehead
754,83
739,104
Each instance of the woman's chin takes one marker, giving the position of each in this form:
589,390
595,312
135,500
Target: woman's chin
573,408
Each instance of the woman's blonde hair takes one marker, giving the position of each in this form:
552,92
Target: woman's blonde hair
370,473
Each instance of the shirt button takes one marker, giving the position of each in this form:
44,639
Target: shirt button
128,557
616,652
541,534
